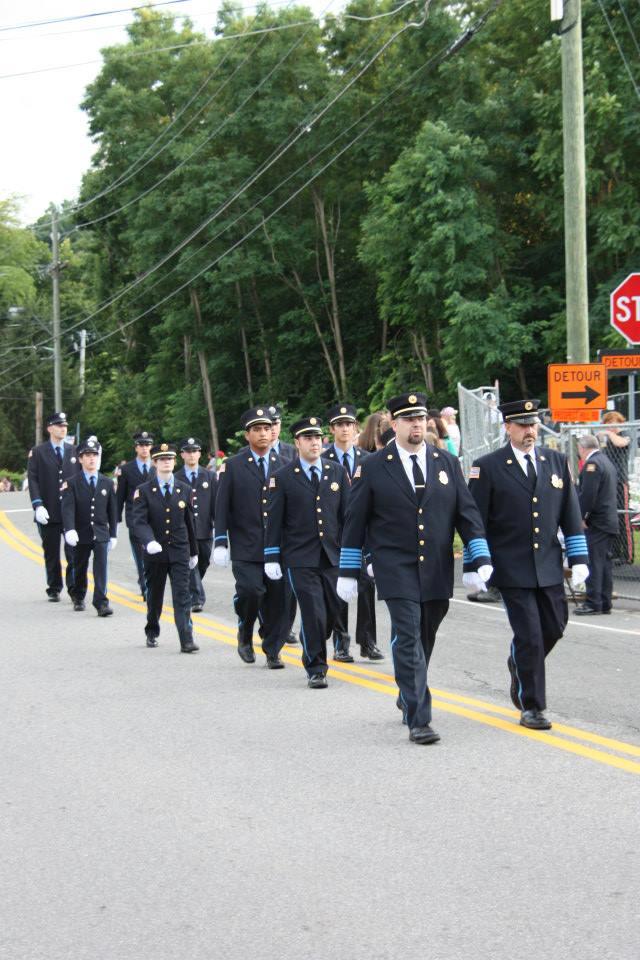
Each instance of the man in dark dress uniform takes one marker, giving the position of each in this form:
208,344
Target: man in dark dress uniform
163,523
286,451
524,494
49,465
406,503
204,485
598,504
343,425
307,500
241,516
90,520
130,476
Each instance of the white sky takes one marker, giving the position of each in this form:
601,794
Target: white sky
45,142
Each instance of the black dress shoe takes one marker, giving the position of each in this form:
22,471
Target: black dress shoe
151,640
196,608
490,595
53,597
342,656
275,663
105,610
317,682
292,639
189,647
534,720
513,690
341,643
246,653
424,734
585,610
400,705
78,605
371,653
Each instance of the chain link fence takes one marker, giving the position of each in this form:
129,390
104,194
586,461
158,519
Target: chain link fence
480,422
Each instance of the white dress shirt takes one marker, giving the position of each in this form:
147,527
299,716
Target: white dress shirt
407,463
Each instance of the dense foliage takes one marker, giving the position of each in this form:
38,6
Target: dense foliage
303,215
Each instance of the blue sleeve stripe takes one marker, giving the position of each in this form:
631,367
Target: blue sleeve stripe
477,541
575,538
35,503
351,550
221,536
271,550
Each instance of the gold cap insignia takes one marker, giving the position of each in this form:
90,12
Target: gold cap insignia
343,409
528,405
313,421
413,398
164,446
260,413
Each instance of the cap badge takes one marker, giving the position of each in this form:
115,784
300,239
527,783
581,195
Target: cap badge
335,486
63,415
144,434
260,412
272,409
164,446
190,440
442,477
313,421
528,405
343,409
413,398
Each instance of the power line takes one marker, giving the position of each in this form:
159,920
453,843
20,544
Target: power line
88,16
620,50
630,26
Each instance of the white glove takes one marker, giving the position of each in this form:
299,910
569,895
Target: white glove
154,547
473,581
221,556
42,515
273,571
579,574
370,571
485,571
71,536
347,588
193,562
113,543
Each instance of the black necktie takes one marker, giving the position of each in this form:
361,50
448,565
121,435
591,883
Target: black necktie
92,484
167,491
194,477
145,471
346,465
59,455
261,463
418,476
315,481
531,471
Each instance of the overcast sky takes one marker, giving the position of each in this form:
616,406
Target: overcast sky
45,142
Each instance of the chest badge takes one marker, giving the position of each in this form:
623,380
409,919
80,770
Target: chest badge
335,486
557,481
205,485
103,492
442,477
181,504
73,459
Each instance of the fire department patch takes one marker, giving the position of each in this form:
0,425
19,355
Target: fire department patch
474,473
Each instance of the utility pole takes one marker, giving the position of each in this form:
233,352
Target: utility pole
83,351
38,417
575,201
55,277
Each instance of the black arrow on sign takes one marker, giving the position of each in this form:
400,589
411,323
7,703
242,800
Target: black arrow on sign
588,395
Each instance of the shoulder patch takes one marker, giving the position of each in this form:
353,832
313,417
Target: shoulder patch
357,473
272,483
591,468
136,494
474,473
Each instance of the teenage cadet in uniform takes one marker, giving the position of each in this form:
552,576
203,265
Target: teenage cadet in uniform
343,425
524,495
49,465
307,500
130,476
241,515
597,487
163,523
203,500
286,451
90,520
406,503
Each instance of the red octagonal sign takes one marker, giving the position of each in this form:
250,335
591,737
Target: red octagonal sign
625,308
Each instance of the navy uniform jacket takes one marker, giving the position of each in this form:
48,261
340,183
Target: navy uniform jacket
522,527
46,477
334,454
129,479
170,524
241,505
286,451
203,499
303,525
411,542
94,517
597,486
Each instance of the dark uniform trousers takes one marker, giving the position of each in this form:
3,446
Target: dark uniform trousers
261,599
600,580
198,596
50,534
138,552
81,556
315,590
414,626
538,617
155,572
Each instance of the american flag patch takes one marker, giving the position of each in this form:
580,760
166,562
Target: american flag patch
357,473
474,473
272,483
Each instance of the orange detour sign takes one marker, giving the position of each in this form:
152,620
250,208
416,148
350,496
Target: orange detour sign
577,386
574,416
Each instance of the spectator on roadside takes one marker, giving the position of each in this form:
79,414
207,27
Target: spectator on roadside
6,485
435,424
616,448
449,415
370,437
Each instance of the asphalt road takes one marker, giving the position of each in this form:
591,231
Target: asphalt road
157,806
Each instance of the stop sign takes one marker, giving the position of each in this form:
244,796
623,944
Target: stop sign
625,308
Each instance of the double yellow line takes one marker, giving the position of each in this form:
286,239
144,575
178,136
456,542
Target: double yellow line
612,753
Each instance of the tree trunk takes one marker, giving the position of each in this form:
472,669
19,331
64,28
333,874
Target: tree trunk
329,247
522,380
255,299
204,372
385,334
422,355
245,347
187,358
